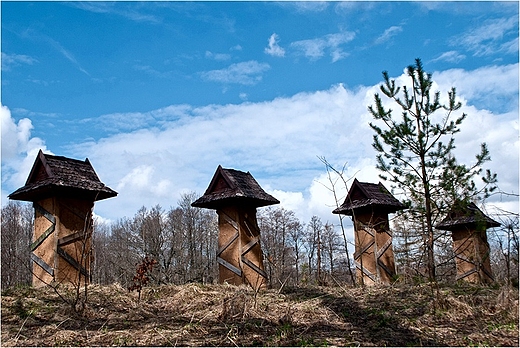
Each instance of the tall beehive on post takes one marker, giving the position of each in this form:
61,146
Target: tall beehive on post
63,192
468,226
369,205
235,195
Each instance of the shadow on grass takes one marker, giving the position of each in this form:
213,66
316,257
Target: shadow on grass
378,324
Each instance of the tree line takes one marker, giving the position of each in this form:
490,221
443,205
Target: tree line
183,241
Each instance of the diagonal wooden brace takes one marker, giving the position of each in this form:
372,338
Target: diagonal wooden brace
384,267
254,267
44,236
464,275
357,255
67,257
229,242
365,271
71,238
245,250
229,266
42,264
383,248
45,213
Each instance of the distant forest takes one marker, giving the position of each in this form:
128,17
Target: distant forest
183,241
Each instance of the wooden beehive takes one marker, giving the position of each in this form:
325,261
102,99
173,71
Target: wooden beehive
63,192
468,226
369,205
235,195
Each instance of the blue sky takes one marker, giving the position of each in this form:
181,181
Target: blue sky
158,94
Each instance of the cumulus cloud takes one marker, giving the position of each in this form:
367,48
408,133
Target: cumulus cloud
16,136
19,150
273,140
278,141
244,73
273,49
498,92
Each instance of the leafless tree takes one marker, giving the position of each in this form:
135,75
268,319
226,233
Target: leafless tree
281,243
16,236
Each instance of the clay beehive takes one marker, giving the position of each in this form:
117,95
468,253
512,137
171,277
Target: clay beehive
468,226
369,205
235,195
63,192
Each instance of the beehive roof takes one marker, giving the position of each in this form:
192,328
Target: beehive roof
364,195
62,176
232,187
468,215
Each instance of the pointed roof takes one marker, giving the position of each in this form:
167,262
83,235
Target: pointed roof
232,187
468,215
366,196
61,176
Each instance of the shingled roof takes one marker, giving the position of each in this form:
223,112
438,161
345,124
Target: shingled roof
233,187
466,216
366,196
63,177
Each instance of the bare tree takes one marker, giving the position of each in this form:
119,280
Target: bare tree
337,177
16,236
281,244
313,249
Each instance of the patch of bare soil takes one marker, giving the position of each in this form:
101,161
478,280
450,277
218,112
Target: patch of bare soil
221,315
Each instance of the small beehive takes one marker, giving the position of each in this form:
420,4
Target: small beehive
468,226
369,205
63,192
235,195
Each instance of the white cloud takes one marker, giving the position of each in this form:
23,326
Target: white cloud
66,53
244,73
274,49
217,56
19,150
278,141
16,137
450,57
305,6
152,71
487,39
12,60
273,140
130,11
388,34
491,87
315,49
142,179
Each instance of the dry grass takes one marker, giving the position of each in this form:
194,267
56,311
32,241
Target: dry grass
221,315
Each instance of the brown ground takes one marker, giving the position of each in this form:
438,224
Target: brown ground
220,315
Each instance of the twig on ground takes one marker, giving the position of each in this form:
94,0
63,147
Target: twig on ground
21,327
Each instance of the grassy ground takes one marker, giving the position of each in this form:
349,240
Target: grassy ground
221,315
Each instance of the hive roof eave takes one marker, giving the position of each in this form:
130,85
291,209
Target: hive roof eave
61,176
467,216
374,196
234,187
369,206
